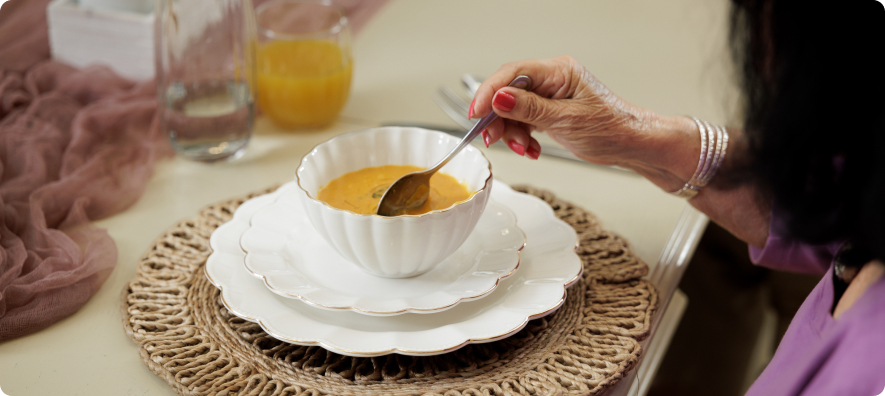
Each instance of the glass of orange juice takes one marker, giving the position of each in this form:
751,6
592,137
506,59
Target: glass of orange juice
304,62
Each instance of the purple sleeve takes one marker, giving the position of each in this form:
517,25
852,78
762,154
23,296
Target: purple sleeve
786,254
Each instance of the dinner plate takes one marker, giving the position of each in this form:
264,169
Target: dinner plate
283,249
548,266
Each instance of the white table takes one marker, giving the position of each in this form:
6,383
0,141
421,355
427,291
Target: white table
667,56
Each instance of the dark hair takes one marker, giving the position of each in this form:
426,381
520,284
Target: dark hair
814,106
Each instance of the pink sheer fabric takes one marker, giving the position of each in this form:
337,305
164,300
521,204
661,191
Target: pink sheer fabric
75,146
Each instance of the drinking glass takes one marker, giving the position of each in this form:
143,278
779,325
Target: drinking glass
304,62
205,71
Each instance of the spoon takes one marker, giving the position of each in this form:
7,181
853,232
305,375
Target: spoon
411,190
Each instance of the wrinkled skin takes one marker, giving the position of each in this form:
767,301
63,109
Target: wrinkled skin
582,107
578,111
568,103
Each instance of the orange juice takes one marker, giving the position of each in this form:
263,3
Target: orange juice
302,83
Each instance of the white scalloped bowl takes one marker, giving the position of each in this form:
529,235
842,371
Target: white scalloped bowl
401,246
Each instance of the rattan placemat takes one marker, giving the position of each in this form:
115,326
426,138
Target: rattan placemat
187,337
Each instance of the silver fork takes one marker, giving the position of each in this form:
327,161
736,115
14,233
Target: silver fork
455,106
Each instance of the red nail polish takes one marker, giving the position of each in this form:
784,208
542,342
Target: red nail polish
504,101
516,147
485,137
470,112
533,153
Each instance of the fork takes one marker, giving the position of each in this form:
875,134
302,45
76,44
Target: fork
455,106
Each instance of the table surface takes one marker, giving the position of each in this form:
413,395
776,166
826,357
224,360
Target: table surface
668,56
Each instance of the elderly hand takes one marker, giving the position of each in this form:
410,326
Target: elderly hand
578,111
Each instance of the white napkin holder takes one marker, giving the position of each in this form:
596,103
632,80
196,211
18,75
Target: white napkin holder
122,37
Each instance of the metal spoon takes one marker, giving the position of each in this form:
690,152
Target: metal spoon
412,190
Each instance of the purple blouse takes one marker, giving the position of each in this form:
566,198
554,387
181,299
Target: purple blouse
820,355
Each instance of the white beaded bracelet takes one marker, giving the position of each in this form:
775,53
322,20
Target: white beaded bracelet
714,143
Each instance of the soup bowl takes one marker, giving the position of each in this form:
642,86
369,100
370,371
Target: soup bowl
400,246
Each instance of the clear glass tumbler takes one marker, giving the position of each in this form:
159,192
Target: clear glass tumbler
304,62
205,72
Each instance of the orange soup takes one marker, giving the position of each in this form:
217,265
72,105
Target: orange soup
360,191
302,83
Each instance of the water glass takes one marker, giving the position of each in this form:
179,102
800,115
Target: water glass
304,62
205,71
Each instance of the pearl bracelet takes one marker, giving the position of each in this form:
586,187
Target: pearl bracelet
714,143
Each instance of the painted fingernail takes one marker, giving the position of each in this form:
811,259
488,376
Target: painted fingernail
504,101
516,147
485,137
470,112
533,153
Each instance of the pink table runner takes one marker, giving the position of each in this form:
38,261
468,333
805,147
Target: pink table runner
75,146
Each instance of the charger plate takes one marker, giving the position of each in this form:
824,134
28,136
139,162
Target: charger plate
549,265
187,337
283,249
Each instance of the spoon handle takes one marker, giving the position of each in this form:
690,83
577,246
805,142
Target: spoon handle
521,82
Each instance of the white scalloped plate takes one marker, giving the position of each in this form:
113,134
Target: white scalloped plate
548,266
284,250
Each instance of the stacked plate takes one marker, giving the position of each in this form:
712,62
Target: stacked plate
275,270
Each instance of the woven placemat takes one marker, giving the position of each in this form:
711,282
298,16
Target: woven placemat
187,337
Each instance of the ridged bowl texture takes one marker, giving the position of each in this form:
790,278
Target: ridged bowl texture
401,246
